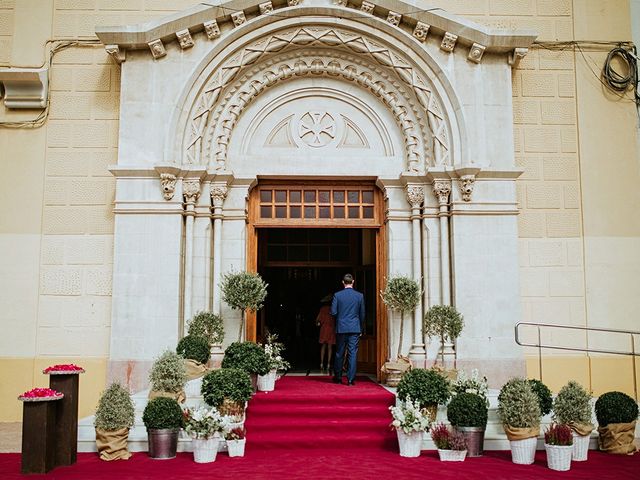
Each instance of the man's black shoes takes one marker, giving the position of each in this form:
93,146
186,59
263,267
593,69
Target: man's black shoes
336,380
352,383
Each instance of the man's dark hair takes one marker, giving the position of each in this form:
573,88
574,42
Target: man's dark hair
347,279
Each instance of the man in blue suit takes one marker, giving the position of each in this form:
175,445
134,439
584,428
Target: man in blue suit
348,308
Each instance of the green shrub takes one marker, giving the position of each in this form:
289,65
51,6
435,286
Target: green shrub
518,405
402,294
194,347
208,325
243,291
572,405
162,412
467,410
616,407
115,409
428,387
443,321
231,383
168,373
544,395
247,356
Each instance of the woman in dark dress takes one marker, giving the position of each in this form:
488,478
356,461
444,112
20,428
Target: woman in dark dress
327,339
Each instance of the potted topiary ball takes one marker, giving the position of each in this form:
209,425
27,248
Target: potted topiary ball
446,322
163,418
196,352
401,294
168,376
468,413
114,417
243,291
616,413
519,412
428,387
247,356
572,407
210,326
227,389
544,395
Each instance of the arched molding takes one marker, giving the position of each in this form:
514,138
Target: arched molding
389,47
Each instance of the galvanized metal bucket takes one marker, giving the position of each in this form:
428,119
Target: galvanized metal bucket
163,443
475,440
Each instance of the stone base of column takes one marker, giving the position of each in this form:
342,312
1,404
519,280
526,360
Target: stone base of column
417,355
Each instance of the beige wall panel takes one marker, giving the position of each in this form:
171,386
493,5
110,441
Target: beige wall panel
28,42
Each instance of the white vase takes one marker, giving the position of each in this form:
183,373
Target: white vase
580,447
192,387
205,450
267,383
559,457
236,447
523,452
452,455
410,443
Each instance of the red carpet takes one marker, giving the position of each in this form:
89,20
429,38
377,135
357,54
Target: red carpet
310,428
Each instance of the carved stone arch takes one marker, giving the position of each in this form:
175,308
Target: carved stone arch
249,44
297,65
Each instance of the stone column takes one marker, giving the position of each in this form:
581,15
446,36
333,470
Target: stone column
191,192
415,197
218,194
442,190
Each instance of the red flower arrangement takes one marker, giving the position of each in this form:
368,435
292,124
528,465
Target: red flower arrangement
237,433
36,393
64,368
558,434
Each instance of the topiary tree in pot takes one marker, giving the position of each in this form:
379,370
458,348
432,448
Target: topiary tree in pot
572,407
428,387
163,418
468,413
616,413
195,351
227,389
210,326
114,417
168,376
247,356
243,291
519,412
401,294
544,395
443,321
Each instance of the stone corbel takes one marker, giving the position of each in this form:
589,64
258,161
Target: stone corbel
184,39
476,52
25,87
394,18
421,31
238,18
517,55
116,53
157,49
448,42
265,8
212,29
467,179
367,7
168,177
293,3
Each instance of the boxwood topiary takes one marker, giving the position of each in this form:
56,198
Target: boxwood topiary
544,395
194,347
231,383
616,407
168,373
208,325
572,405
115,409
428,387
518,405
467,410
161,413
246,356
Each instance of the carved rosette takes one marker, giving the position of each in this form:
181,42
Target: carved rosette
184,38
415,195
157,49
476,52
191,191
218,194
168,185
466,187
442,190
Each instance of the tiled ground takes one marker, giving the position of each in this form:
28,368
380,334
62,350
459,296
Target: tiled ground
10,437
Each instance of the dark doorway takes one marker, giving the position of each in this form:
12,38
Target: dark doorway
301,266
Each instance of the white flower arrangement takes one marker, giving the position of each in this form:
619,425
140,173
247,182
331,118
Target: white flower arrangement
203,422
409,417
273,350
474,384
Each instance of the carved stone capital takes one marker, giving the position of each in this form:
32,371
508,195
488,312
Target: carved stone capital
168,185
212,29
367,7
394,18
517,55
218,194
476,52
184,38
421,31
466,186
191,191
238,18
448,42
266,8
157,49
442,190
415,195
118,55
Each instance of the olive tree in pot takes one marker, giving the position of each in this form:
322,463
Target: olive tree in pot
247,356
243,291
403,295
114,417
468,413
163,418
616,413
428,387
210,326
228,390
195,351
572,407
446,322
519,412
168,376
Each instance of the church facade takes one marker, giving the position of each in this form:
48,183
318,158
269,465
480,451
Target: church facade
301,139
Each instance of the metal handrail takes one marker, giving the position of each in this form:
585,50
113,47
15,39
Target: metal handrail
540,345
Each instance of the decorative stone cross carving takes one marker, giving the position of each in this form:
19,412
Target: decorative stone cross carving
315,127
415,195
442,189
